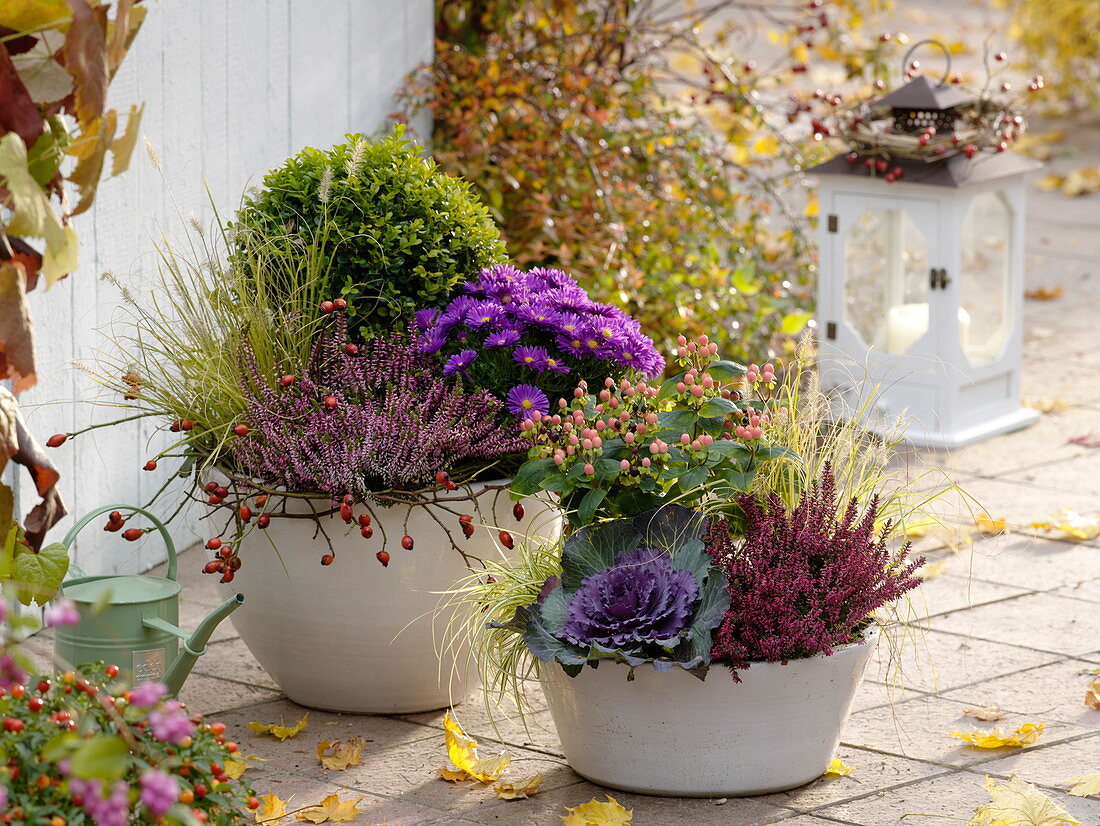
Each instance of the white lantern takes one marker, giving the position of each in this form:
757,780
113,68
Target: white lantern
920,292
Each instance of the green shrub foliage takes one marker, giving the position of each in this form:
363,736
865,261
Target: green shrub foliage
395,232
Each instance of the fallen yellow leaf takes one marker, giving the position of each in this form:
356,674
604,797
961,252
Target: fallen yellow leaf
462,750
234,767
839,768
1017,803
1092,695
987,714
518,789
1087,786
596,813
997,738
339,754
1046,404
451,774
1044,293
931,570
1072,524
1050,182
272,809
331,810
989,526
280,729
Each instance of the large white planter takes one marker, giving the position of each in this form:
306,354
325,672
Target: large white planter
672,734
357,637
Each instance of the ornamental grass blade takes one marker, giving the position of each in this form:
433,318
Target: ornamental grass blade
462,750
998,738
280,729
597,813
1017,803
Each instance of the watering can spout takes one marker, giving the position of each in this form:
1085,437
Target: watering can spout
195,646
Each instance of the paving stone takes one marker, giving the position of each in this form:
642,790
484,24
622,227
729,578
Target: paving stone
950,592
932,661
535,730
1050,692
195,608
373,808
1042,621
920,729
1027,562
1089,590
871,772
1052,766
211,696
1075,381
1018,501
1044,442
231,660
811,820
948,799
873,694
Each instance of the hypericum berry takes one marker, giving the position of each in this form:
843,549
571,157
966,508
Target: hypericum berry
57,439
13,724
221,492
235,563
113,526
517,511
327,307
407,542
212,567
44,685
351,349
245,513
132,534
467,529
330,402
364,520
115,516
366,531
286,380
225,552
241,429
340,304
261,500
465,519
35,703
346,513
227,576
383,557
506,540
213,544
263,520
210,487
327,559
442,477
151,465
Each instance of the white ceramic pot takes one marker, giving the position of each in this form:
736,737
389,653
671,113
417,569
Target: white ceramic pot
672,734
357,637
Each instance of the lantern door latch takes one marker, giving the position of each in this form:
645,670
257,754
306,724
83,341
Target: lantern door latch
937,278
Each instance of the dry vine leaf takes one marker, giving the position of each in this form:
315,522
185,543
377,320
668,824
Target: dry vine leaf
1092,695
1044,293
597,813
839,768
987,714
998,738
339,754
988,526
1087,786
518,789
16,328
331,810
272,809
280,729
235,768
463,753
1017,803
1072,524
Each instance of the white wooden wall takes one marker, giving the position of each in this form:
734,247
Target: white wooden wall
231,87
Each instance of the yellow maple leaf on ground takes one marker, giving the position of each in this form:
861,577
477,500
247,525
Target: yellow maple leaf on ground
236,766
339,754
332,810
280,729
1017,803
1086,786
518,789
272,809
997,738
1072,524
597,813
987,714
1092,695
462,750
839,768
451,774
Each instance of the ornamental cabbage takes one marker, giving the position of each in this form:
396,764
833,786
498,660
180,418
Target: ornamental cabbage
633,591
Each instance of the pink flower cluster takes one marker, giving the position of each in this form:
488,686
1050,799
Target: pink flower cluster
803,582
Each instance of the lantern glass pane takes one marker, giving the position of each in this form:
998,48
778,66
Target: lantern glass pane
984,285
886,280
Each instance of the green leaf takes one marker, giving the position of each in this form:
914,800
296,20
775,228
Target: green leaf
776,452
717,407
726,370
587,510
528,478
677,421
668,389
103,757
607,469
39,575
737,480
794,323
694,479
745,281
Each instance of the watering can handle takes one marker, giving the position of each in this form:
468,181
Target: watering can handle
160,526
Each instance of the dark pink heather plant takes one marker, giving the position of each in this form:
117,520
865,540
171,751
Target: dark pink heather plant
361,419
804,582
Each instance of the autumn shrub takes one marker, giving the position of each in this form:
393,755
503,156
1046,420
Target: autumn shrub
631,145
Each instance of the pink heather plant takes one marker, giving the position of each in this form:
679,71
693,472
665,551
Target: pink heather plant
804,582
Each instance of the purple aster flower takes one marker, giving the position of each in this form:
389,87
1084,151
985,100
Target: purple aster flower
554,279
425,319
524,399
642,598
431,343
573,345
556,365
573,300
539,313
505,338
570,323
459,362
484,314
532,357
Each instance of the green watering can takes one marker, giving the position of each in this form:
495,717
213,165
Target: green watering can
132,621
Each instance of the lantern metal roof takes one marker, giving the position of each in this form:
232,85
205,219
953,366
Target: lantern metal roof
925,94
956,171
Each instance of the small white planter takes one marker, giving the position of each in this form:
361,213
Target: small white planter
672,734
357,637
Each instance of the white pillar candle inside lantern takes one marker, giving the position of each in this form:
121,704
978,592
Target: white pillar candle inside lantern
906,323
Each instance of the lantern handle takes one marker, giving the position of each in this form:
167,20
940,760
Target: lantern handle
929,41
